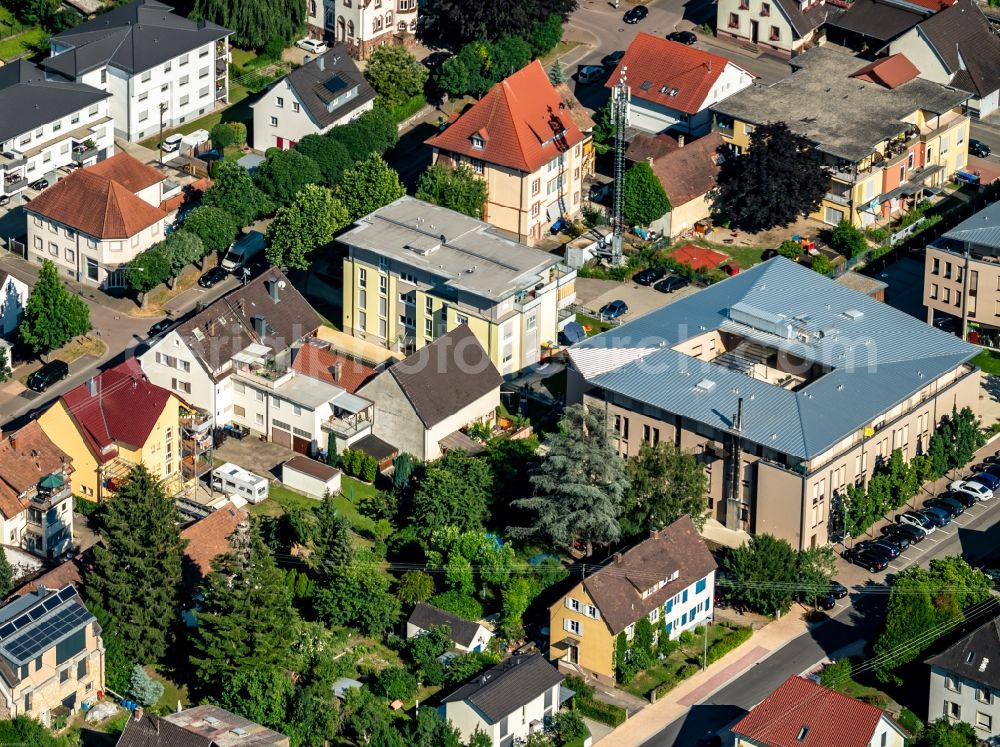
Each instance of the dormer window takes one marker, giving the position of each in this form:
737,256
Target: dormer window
478,143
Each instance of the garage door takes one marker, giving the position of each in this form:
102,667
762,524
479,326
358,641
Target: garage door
301,445
282,438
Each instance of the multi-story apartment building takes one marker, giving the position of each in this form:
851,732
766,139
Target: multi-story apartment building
788,387
48,124
523,139
113,422
962,276
96,220
415,271
886,134
363,25
52,653
668,578
36,496
964,685
161,69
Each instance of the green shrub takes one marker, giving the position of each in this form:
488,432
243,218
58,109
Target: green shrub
722,647
909,721
848,240
686,638
601,712
408,108
369,468
790,249
457,603
85,506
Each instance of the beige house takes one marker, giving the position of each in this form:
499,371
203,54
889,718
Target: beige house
52,654
96,220
326,91
780,27
416,271
363,25
523,139
423,402
788,387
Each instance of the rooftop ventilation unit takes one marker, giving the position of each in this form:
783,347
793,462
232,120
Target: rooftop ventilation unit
765,321
705,385
854,315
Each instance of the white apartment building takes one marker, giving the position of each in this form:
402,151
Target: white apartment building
47,124
160,69
363,25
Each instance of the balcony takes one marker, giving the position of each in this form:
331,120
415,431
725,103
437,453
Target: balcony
12,159
15,184
840,199
52,490
348,425
84,152
221,67
269,374
196,422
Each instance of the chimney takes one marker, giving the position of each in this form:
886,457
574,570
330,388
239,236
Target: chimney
654,534
92,386
680,141
137,713
13,440
274,288
338,367
618,558
321,62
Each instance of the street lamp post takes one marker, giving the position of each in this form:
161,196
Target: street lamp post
163,110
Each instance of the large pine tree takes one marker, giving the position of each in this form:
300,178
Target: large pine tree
332,550
134,583
247,613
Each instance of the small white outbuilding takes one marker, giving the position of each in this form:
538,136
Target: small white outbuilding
310,477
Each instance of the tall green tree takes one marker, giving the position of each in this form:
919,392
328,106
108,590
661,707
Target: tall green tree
6,575
234,191
430,729
664,484
285,173
328,153
367,186
816,566
780,178
358,595
148,269
215,227
181,249
308,223
457,22
395,74
762,574
643,198
244,587
848,240
579,488
946,733
24,730
136,608
332,550
454,491
456,188
53,316
374,131
260,693
254,22
5,370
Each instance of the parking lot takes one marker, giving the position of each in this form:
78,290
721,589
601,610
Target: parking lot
592,294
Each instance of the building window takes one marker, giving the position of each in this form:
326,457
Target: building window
259,418
383,284
775,34
536,186
952,710
574,626
700,586
362,277
461,319
27,702
64,675
295,106
478,166
279,102
477,142
984,695
184,80
765,9
951,682
984,721
428,327
536,210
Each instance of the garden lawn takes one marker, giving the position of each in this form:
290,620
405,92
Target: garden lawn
282,499
596,325
989,361
15,45
652,678
745,256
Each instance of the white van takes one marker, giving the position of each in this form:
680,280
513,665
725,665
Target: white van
232,479
243,251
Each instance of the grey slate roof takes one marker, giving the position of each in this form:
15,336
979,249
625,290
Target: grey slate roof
979,230
975,657
879,20
878,359
463,632
843,116
316,87
966,42
804,21
152,731
133,38
512,683
29,101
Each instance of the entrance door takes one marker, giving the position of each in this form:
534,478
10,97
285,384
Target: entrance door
573,655
301,445
754,31
281,143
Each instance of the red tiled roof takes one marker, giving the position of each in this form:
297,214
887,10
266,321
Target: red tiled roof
128,171
690,171
321,363
124,408
517,120
698,257
26,456
655,64
934,4
94,205
208,538
829,718
889,72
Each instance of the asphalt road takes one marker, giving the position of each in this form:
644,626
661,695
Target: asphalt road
974,535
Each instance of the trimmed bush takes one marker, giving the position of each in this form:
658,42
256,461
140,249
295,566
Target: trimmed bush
604,713
722,647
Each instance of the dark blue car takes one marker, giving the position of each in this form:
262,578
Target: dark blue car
613,309
988,479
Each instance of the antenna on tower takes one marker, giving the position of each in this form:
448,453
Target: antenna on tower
620,96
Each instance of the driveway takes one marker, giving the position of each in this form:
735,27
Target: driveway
592,294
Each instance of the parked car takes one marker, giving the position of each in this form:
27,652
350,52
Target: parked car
912,533
937,516
613,309
589,74
993,458
48,375
949,505
988,479
870,561
837,590
160,327
979,148
683,37
917,520
612,60
981,467
879,546
977,489
4,199
826,602
650,275
434,59
39,184
636,14
670,284
313,46
171,143
212,277
966,499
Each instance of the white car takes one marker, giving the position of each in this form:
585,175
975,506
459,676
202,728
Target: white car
980,491
313,46
171,143
913,519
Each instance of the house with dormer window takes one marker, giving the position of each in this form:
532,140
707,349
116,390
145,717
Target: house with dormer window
780,27
668,578
965,681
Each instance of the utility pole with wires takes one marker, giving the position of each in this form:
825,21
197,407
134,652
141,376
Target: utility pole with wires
620,95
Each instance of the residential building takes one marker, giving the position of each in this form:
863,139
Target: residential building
161,69
363,25
788,386
207,539
672,86
962,276
423,402
415,271
965,685
36,495
199,726
888,136
326,91
687,170
113,422
47,125
318,360
958,47
13,299
804,712
523,141
518,696
95,221
196,358
52,655
465,635
669,577
868,26
779,27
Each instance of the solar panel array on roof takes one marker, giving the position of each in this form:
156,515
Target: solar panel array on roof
335,85
41,636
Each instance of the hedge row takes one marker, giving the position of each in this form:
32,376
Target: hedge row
687,670
604,713
722,647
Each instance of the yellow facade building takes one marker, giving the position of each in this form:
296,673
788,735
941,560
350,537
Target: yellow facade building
113,422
